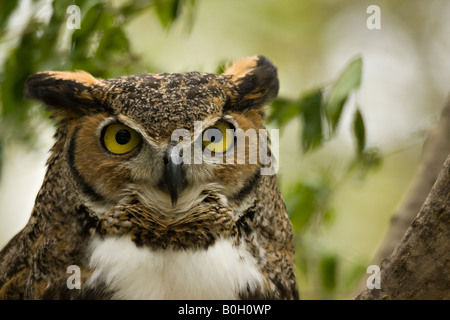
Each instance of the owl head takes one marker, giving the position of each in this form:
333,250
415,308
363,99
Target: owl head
166,139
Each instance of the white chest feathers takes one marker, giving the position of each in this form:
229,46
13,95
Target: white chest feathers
219,272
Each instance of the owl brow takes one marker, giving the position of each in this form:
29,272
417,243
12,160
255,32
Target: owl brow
125,120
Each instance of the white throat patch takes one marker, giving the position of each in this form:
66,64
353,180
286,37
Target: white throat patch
219,272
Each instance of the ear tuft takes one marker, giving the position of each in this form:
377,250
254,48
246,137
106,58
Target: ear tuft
73,93
241,67
254,82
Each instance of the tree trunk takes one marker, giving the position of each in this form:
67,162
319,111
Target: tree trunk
419,267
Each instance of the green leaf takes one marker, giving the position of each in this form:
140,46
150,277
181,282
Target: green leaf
311,114
328,271
359,131
307,200
349,80
369,159
91,21
49,56
282,111
18,66
133,7
114,40
301,205
6,8
167,11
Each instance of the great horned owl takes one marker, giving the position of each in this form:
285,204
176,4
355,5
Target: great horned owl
138,223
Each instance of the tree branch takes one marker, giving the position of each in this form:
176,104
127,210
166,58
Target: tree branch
419,267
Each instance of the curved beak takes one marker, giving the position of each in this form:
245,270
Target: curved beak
173,179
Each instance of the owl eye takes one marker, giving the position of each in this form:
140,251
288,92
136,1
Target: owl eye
217,138
120,139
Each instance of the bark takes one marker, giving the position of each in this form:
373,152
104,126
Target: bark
419,267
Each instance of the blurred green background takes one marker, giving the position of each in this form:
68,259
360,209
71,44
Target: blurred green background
341,180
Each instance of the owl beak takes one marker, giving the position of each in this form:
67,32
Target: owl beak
173,178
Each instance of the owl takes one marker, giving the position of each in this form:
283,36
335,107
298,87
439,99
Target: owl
156,188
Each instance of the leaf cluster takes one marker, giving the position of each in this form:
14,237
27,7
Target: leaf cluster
309,199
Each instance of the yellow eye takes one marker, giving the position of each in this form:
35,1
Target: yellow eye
120,139
217,138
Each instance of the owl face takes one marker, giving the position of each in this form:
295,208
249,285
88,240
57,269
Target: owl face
165,140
